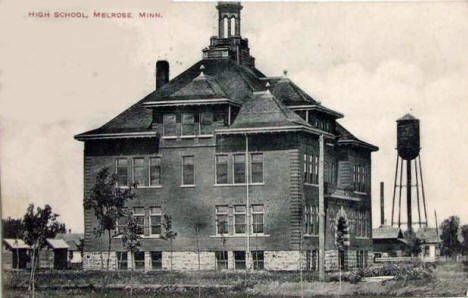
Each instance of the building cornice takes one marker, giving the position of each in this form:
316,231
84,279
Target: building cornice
190,102
123,135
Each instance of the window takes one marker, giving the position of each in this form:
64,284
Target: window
311,220
316,169
188,124
139,259
187,170
169,125
221,220
360,178
239,259
139,214
314,220
239,168
305,169
221,260
257,167
221,169
312,260
257,219
239,219
139,171
156,260
206,121
155,171
155,220
220,119
258,260
122,260
122,172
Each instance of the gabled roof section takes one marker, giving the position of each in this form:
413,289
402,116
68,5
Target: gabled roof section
294,97
222,77
201,87
387,232
57,243
347,138
263,112
16,244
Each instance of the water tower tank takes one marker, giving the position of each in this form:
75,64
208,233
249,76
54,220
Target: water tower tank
408,137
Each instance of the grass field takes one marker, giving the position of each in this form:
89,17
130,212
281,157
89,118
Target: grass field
450,280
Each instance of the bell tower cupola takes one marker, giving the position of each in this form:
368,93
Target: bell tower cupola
229,44
229,18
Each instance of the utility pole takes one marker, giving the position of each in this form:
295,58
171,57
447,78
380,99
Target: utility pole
321,209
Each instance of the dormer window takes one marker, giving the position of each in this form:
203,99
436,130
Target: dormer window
188,124
169,125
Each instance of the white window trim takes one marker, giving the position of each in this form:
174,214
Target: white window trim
133,168
182,172
216,169
252,213
200,123
247,230
149,172
164,131
142,215
149,219
234,171
116,171
250,167
182,135
227,223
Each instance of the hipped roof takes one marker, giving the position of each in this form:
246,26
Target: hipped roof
16,244
345,137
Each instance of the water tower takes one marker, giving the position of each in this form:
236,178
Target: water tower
408,147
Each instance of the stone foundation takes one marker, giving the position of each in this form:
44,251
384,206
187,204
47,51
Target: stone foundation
282,260
273,260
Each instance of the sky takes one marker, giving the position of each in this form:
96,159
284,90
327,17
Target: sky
374,62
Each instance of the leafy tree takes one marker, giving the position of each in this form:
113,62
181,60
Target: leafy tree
413,243
464,244
131,240
450,243
38,226
108,200
168,233
12,228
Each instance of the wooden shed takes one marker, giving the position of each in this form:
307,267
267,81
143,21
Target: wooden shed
15,254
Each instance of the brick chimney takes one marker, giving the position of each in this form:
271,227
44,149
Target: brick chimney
162,73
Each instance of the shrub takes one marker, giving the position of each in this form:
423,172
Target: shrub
352,277
407,271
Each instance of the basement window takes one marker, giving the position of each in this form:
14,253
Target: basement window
258,260
239,260
156,260
139,259
221,260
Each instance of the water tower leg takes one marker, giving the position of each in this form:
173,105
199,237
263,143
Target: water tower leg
408,195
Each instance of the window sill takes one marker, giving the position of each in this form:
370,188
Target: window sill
239,235
239,184
187,185
187,136
311,184
205,136
151,186
169,137
361,237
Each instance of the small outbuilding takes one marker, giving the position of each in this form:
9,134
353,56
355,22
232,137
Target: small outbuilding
54,255
388,241
430,243
74,242
15,254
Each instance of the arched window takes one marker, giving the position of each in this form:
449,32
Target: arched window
233,26
225,26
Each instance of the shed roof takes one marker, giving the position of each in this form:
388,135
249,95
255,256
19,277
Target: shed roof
57,243
387,232
16,244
